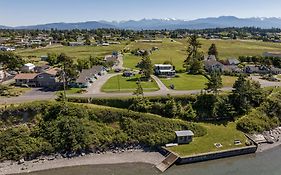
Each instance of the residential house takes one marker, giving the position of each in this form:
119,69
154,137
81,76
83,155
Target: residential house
45,79
164,70
272,54
213,65
28,67
251,69
232,69
232,61
111,59
87,76
76,44
275,71
184,137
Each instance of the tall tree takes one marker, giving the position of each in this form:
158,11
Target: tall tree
146,67
193,62
215,82
213,50
10,61
246,94
69,69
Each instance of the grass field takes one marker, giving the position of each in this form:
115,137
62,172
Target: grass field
222,134
194,82
127,84
75,52
176,51
168,50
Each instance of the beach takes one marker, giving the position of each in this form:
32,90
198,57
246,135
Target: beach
136,156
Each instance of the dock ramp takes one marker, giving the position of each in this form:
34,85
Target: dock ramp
167,163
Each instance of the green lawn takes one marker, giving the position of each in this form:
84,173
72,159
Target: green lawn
279,76
71,91
222,134
127,84
186,82
176,51
75,52
194,82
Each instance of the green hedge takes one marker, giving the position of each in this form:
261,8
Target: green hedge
125,103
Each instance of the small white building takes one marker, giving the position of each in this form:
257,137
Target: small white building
28,67
164,70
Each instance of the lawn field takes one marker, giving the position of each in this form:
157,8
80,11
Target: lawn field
127,84
223,134
194,82
176,51
75,52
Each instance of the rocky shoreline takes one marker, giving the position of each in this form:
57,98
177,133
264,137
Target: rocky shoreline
59,161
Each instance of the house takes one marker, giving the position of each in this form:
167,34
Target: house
164,70
213,65
111,59
45,79
272,54
87,76
26,79
28,67
232,69
275,71
184,137
76,44
41,69
232,61
251,69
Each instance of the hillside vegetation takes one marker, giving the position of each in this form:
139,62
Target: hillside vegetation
40,128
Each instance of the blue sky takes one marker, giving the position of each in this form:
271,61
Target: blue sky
27,12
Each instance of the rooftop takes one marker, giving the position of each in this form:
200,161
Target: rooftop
184,133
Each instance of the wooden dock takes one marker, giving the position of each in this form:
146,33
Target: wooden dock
167,163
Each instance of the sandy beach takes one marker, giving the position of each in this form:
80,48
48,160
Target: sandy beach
10,167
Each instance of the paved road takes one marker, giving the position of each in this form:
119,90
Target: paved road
94,91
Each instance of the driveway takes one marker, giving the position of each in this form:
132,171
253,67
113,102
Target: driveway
95,88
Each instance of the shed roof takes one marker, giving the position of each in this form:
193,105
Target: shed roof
184,133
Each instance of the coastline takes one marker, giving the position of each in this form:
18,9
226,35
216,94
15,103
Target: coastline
107,158
136,156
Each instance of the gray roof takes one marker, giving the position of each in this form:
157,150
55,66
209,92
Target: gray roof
86,74
184,133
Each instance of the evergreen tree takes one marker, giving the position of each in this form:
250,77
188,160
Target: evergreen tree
213,50
215,82
139,90
193,62
146,67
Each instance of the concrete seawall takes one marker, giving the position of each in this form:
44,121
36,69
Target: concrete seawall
217,155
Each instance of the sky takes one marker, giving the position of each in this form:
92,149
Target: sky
29,12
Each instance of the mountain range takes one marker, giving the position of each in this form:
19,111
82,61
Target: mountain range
157,24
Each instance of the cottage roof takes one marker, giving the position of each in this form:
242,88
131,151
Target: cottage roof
27,76
184,133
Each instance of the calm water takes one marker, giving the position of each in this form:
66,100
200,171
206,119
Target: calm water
267,163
